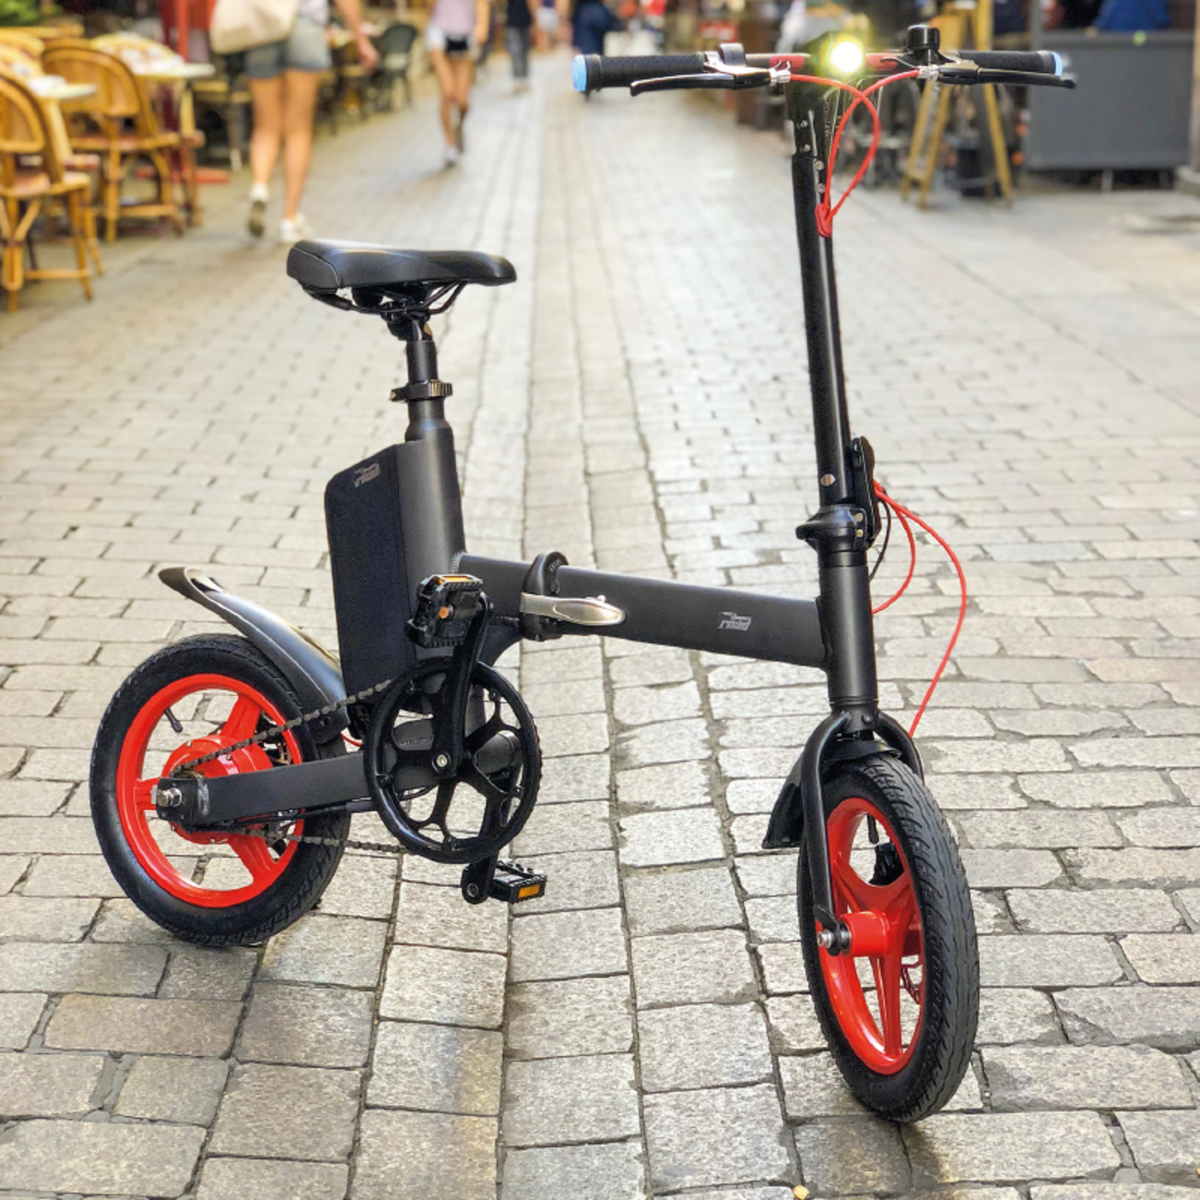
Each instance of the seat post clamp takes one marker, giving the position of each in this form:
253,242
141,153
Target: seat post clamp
428,389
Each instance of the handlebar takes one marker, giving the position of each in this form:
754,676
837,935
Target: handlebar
732,68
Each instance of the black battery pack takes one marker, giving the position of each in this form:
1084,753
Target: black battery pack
393,520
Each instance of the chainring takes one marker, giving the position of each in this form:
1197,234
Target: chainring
491,790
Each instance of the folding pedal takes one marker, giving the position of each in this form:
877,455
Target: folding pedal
513,883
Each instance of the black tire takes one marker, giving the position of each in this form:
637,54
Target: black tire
949,1007
305,876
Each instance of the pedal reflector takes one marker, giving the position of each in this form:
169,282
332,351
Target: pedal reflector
513,883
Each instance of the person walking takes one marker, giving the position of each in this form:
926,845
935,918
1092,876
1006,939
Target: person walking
455,30
284,77
590,22
518,29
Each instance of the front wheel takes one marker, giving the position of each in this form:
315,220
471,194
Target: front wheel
209,886
900,1022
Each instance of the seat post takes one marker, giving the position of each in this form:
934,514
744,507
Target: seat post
425,393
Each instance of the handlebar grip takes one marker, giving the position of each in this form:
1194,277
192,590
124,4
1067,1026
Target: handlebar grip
1037,62
591,72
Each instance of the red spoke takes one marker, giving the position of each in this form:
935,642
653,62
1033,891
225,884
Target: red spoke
887,992
255,856
142,793
855,891
242,722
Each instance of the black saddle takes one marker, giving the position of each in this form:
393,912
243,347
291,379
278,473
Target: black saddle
328,266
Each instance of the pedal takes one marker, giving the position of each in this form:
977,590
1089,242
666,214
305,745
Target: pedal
513,883
446,606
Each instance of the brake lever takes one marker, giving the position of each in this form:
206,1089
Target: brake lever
963,73
727,76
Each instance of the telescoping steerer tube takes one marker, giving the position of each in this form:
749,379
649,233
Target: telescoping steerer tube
663,613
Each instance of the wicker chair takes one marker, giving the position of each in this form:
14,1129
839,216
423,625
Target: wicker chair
119,123
25,136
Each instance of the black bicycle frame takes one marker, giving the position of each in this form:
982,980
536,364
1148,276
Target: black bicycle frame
396,518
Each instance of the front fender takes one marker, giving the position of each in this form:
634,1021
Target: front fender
309,667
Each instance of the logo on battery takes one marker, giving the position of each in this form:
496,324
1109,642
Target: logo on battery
366,474
734,622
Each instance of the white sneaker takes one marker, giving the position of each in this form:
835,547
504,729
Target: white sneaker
450,156
295,230
258,210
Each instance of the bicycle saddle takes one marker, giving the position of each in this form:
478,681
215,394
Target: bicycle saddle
328,266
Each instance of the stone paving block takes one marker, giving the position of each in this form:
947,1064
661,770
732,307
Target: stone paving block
203,1028
752,795
1008,1015
12,867
976,791
1165,1017
260,1179
663,838
1063,1077
569,1017
1098,789
338,950
647,705
438,916
773,919
584,880
1136,867
782,968
668,742
951,1147
692,968
48,835
650,665
1036,829
603,1171
1046,960
122,921
1162,827
204,973
48,1085
715,1136
1011,868
745,1193
1109,1191
858,1156
559,828
581,777
665,901
1164,1145
564,945
702,1045
470,991
1109,910
121,970
768,874
325,1027
287,1112
363,886
793,1024
425,1156
73,875
30,797
1190,898
554,1101
582,733
437,1068
33,919
82,1157
19,1015
183,1090
1164,957
668,785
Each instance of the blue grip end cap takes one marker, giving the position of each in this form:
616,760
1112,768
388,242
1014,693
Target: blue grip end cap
579,73
1058,63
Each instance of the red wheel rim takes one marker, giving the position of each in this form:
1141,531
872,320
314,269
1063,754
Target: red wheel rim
881,1025
141,765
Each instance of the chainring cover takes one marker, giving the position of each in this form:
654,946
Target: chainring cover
480,803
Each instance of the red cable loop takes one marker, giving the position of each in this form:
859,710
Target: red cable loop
912,556
902,513
825,211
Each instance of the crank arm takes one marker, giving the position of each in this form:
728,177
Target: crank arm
198,803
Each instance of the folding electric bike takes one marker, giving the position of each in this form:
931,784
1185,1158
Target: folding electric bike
227,767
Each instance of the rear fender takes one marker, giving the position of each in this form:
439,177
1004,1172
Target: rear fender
309,667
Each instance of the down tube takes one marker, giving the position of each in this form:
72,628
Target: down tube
663,613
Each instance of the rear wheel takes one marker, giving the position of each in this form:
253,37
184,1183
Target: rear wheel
219,888
900,1019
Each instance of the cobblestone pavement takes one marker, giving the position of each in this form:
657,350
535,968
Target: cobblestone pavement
637,401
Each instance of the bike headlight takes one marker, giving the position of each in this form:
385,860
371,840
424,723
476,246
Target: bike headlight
845,56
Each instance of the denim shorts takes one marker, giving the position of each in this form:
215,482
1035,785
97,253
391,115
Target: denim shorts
304,49
454,46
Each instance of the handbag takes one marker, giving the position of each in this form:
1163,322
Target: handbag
243,24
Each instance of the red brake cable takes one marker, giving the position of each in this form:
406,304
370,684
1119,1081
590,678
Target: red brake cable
904,516
826,211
